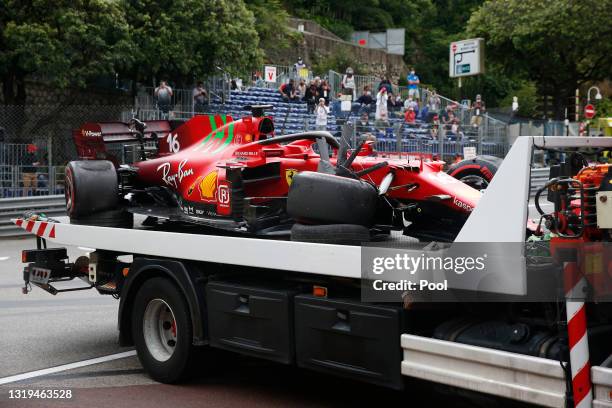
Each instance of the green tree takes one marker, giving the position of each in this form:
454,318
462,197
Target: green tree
186,39
559,44
66,42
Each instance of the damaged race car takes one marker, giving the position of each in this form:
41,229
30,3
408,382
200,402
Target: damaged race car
237,177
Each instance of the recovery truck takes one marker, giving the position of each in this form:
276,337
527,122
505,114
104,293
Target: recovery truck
300,303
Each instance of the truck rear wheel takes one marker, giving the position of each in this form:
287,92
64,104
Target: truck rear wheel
162,331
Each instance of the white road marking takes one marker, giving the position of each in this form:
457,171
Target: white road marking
4,258
71,366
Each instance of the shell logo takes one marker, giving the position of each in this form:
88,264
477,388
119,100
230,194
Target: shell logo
208,185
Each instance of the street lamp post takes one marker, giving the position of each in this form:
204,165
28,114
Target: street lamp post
597,95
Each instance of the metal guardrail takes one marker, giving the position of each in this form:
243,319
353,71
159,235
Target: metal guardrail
52,206
538,178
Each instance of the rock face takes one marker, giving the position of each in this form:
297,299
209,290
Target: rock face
315,42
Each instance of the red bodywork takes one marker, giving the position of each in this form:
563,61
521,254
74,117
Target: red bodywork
194,159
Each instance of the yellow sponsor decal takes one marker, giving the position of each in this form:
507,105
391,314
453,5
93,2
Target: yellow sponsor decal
208,185
289,173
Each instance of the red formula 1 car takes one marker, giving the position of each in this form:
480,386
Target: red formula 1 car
234,175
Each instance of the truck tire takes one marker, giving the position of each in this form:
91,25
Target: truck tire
91,186
111,218
162,331
327,199
477,172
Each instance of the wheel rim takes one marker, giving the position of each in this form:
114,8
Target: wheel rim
159,329
69,191
477,182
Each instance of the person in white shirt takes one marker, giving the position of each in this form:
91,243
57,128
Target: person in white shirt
381,105
348,83
321,111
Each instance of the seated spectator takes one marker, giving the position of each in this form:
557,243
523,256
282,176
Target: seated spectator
391,103
399,102
312,96
365,100
287,91
424,114
300,90
435,127
363,124
411,103
410,116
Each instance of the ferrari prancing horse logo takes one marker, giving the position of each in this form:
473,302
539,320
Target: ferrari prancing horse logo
289,173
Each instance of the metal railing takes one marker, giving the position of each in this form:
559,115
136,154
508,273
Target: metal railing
51,206
19,181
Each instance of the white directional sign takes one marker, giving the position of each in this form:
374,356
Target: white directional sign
270,73
466,58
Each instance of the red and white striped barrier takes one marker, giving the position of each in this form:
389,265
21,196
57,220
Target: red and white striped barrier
43,229
575,285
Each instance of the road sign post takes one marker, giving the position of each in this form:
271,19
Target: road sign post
589,111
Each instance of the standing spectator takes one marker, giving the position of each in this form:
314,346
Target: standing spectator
298,67
413,84
387,84
200,97
434,102
381,105
325,91
163,96
321,111
312,96
287,91
348,83
29,162
478,109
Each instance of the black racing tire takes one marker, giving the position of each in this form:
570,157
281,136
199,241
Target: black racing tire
112,218
341,234
320,198
165,366
477,172
91,186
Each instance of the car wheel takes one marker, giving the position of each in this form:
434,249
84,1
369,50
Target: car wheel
90,186
477,172
320,198
162,331
341,234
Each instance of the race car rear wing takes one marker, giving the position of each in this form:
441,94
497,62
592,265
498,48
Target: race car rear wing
91,137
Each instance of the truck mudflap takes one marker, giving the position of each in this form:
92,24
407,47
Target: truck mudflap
516,376
602,382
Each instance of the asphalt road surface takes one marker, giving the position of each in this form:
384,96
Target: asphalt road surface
39,331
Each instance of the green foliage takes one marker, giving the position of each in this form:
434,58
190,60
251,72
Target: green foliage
527,95
560,44
68,42
338,62
270,22
186,39
603,108
73,42
341,28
